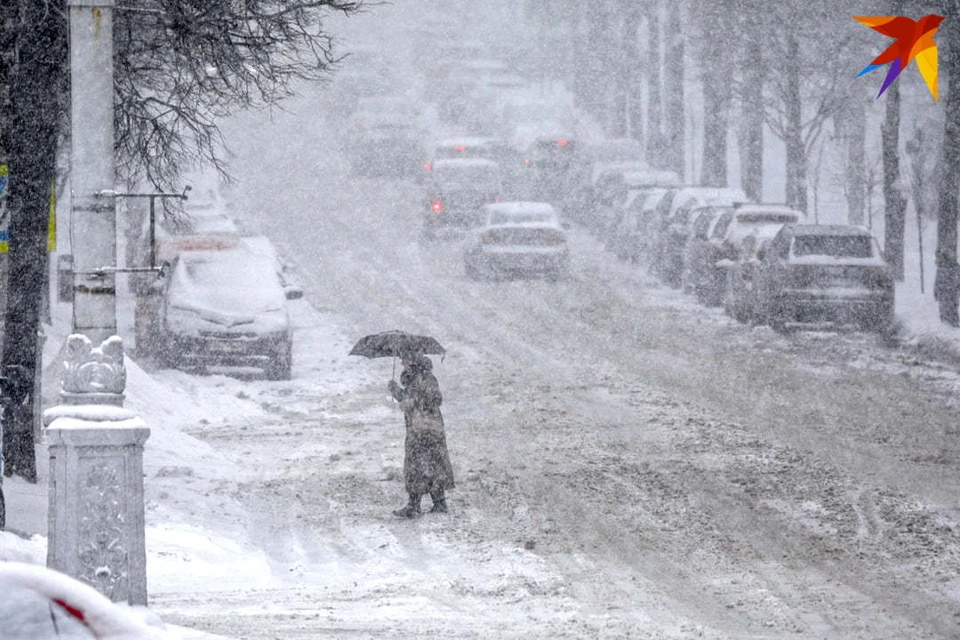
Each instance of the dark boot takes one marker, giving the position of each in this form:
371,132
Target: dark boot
439,501
412,510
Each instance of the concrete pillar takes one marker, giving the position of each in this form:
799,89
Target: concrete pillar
96,514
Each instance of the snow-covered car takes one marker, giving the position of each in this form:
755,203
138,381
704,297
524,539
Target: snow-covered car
40,603
457,190
226,308
825,273
525,238
723,249
673,229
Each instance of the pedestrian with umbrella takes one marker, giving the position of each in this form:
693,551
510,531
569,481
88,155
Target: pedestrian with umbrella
426,461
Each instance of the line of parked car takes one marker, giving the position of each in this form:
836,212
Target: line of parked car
762,262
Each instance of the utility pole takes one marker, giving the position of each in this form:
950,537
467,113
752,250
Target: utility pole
93,219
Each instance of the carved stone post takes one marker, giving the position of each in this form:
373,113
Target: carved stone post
96,515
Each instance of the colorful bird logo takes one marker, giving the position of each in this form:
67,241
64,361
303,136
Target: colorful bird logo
914,40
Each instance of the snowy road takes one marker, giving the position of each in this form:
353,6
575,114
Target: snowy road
629,464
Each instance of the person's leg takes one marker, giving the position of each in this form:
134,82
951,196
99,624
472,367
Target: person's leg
439,501
412,509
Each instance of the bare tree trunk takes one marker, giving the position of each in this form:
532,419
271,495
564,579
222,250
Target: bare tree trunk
716,102
752,117
796,158
673,90
895,205
851,126
29,135
629,67
946,285
654,127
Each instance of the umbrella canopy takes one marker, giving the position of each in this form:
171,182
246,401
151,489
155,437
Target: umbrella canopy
395,344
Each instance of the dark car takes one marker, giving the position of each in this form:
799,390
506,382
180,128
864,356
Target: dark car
710,261
488,148
457,190
828,273
558,168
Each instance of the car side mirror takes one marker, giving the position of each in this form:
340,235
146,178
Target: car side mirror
293,293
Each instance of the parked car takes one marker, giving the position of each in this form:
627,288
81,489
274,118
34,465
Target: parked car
456,192
615,185
695,252
40,603
826,273
629,239
721,251
673,229
525,238
226,308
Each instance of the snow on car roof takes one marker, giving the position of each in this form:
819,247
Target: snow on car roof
828,230
752,208
520,208
467,141
464,162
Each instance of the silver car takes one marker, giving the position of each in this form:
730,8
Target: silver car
523,238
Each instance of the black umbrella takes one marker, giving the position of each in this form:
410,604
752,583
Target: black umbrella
395,344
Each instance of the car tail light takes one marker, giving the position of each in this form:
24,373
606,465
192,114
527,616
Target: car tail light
555,238
526,161
562,143
437,206
459,147
427,166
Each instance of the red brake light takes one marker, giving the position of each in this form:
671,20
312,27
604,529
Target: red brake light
562,143
526,161
427,166
460,147
437,206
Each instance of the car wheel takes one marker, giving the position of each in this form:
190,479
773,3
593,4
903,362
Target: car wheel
281,368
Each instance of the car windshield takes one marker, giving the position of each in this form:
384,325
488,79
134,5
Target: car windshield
833,246
229,282
537,217
475,177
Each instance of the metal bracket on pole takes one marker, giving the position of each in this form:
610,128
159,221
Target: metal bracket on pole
110,193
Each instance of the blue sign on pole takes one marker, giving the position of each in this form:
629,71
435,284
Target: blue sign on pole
3,179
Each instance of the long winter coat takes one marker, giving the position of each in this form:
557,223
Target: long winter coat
426,462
